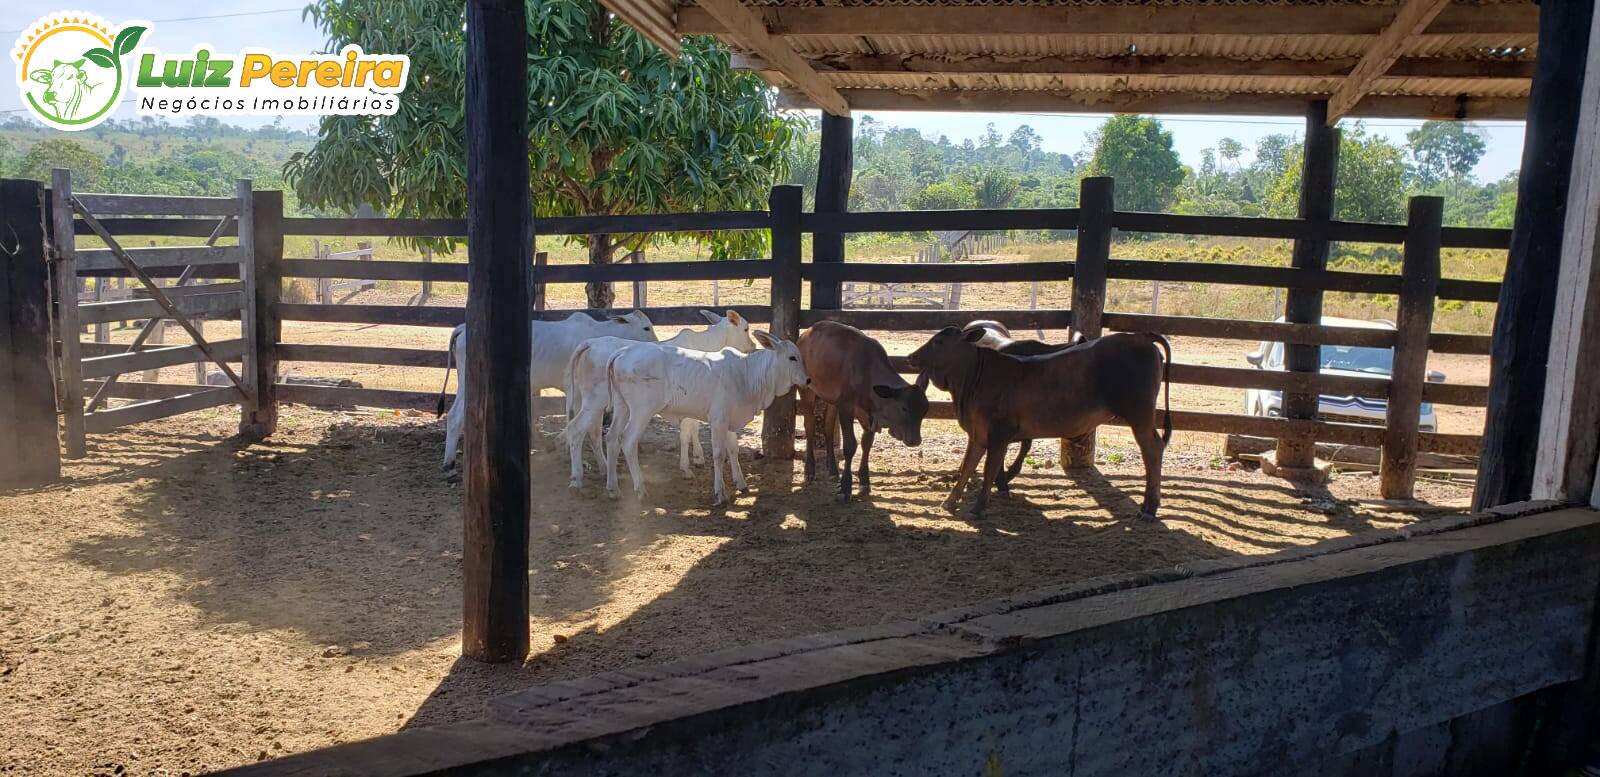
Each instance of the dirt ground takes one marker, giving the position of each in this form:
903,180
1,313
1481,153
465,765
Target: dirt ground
181,603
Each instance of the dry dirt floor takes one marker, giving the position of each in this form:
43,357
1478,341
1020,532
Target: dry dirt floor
182,602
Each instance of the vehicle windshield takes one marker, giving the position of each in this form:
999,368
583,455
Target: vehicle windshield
1377,361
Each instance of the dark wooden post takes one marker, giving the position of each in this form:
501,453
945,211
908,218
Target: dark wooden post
1296,455
261,237
777,424
1523,318
834,166
1419,287
1096,204
499,341
540,259
27,389
639,287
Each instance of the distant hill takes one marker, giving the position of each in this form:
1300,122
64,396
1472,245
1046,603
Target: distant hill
201,156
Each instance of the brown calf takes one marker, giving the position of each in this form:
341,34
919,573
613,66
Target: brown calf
999,338
1001,398
852,378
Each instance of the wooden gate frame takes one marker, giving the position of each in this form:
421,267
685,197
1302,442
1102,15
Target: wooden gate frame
180,303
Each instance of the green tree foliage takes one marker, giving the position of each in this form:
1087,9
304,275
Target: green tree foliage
944,195
88,169
894,165
993,187
1138,153
1444,149
616,126
1371,180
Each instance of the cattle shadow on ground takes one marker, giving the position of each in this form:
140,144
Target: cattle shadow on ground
350,534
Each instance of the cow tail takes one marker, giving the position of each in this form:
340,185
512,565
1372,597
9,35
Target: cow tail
449,359
1166,380
572,370
612,395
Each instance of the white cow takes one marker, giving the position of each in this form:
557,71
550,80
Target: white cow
588,399
725,389
553,344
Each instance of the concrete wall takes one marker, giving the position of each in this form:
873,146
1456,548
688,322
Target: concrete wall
1401,653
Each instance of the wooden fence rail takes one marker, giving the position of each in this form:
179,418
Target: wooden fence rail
257,267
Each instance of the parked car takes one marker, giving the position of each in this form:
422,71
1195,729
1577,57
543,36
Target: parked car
1356,361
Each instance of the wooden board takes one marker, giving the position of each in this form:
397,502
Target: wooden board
194,305
103,421
156,358
158,205
91,259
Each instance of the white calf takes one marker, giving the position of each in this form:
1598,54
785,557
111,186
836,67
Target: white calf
725,389
553,344
588,399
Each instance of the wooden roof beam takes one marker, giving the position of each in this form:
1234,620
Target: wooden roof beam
1352,19
900,64
998,101
1412,19
748,29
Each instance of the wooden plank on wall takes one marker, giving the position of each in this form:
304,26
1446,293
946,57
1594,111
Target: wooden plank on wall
195,305
91,259
158,205
106,420
27,388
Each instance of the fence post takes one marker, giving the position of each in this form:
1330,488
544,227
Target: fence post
777,424
427,284
1096,203
27,390
261,242
540,259
1296,455
1419,286
640,288
66,288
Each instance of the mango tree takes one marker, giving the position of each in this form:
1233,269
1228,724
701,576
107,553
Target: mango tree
615,125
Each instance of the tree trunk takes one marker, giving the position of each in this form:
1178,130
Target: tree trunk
601,295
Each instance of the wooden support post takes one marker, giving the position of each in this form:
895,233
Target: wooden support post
1419,287
499,341
1522,324
640,288
427,285
261,270
1296,455
777,424
540,259
834,165
65,269
1096,204
27,390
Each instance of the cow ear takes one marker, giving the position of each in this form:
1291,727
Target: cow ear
975,334
618,319
734,318
41,75
709,316
77,65
765,338
922,382
887,392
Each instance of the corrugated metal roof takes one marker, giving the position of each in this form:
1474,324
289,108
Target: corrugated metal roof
1246,47
1318,85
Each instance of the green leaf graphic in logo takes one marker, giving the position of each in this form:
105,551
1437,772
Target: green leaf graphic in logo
100,57
127,39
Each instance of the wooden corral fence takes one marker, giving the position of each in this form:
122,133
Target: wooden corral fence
258,300
327,288
87,374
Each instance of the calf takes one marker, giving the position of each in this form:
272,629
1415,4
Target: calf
1000,398
851,374
999,338
553,344
588,399
725,389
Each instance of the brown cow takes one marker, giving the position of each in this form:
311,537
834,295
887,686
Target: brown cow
851,375
1000,398
999,338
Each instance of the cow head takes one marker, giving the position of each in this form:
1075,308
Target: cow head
949,351
901,410
67,84
790,372
733,330
635,326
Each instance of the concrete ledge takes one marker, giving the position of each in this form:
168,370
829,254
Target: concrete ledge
1275,664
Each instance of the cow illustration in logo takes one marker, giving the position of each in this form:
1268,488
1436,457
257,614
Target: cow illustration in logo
70,68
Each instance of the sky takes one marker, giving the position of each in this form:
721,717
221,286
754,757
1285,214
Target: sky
277,25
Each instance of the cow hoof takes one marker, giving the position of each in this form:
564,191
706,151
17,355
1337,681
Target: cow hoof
744,489
844,498
687,475
951,505
574,485
1148,515
611,493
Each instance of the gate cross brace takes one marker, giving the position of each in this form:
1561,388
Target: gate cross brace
149,326
158,295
